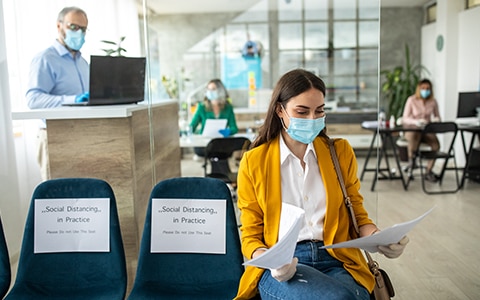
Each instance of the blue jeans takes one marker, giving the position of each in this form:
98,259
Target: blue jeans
318,276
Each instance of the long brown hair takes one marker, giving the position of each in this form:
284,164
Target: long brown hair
291,84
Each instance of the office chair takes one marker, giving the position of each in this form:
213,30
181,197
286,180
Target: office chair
217,155
71,275
5,271
446,131
189,275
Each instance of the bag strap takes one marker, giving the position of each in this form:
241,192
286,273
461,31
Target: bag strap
373,265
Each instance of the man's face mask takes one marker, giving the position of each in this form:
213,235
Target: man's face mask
74,39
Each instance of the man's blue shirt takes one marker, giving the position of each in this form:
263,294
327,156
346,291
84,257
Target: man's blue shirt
56,77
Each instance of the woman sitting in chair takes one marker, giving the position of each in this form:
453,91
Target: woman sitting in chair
216,105
420,109
290,165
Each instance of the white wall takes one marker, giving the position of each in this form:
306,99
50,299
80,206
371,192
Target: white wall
9,191
443,63
31,27
469,50
455,68
26,28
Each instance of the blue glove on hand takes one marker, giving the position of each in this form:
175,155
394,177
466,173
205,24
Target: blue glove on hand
82,98
225,132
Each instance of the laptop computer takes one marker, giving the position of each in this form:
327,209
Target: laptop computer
212,127
116,80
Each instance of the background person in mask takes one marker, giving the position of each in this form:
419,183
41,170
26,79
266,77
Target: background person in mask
290,163
420,109
59,74
216,105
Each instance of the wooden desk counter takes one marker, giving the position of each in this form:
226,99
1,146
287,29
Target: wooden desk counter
113,143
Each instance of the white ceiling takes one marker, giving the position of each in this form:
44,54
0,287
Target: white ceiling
199,6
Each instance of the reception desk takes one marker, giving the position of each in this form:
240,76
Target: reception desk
113,143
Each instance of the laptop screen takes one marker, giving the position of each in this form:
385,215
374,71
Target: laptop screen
467,104
116,80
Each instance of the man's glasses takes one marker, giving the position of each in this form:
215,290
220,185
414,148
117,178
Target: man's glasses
75,27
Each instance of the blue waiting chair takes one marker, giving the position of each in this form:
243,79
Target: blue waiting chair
71,275
189,275
5,271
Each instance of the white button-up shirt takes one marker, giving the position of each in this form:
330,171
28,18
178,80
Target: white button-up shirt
304,189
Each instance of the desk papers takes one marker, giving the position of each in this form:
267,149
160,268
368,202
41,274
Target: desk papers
213,126
387,236
370,124
468,121
282,252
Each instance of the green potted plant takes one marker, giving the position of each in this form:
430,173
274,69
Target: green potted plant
400,83
118,47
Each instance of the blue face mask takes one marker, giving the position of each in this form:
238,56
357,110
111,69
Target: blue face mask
425,93
304,130
211,95
74,39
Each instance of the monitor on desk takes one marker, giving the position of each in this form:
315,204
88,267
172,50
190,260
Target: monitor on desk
467,104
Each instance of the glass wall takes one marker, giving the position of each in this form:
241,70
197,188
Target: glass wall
248,44
338,40
189,42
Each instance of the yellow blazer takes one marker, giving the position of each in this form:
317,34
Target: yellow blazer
260,200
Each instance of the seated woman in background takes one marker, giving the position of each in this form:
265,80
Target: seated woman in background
216,105
420,109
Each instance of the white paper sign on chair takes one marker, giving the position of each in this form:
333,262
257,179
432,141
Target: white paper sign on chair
188,226
72,225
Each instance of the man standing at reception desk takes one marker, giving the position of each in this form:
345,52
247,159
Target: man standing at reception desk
59,74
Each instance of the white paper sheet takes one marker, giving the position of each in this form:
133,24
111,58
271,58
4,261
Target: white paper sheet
72,225
212,127
282,252
387,236
370,124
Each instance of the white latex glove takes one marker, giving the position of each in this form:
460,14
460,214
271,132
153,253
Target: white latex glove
394,250
286,272
421,122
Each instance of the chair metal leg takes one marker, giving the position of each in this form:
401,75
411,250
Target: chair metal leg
440,181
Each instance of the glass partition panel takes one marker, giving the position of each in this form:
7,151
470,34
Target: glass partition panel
188,43
247,44
336,39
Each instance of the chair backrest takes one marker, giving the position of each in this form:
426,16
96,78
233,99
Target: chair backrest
217,153
446,128
223,148
189,275
440,127
5,271
71,275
